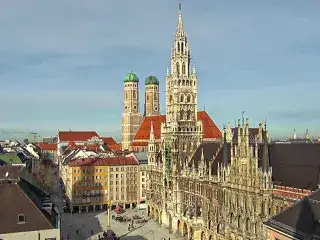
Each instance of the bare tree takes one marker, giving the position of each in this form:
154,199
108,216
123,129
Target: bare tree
44,176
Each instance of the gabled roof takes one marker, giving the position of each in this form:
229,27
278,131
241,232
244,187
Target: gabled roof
213,154
300,220
116,147
288,159
210,129
13,201
48,146
108,141
142,157
76,136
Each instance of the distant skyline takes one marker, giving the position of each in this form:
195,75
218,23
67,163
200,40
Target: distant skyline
62,63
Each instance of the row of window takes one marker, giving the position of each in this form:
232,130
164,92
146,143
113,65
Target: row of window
89,177
90,184
100,170
90,192
155,96
121,175
123,169
87,170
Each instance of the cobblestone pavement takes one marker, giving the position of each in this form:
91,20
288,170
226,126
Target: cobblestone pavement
97,223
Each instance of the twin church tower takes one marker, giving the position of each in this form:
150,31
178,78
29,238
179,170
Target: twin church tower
181,91
132,118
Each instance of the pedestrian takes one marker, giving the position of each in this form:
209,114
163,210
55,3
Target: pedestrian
91,232
99,237
77,231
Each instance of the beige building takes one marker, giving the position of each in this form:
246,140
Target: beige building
142,158
95,182
226,188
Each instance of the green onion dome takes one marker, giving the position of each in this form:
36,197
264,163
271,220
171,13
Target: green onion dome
152,80
131,77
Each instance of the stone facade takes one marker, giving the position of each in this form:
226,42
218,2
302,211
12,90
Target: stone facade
152,100
131,118
219,190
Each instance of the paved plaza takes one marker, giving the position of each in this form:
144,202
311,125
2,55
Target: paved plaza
80,226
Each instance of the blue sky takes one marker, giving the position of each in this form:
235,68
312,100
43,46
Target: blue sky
62,62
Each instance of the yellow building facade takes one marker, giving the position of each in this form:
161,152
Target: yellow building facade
94,183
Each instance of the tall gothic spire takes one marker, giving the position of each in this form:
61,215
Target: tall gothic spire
265,158
180,30
225,147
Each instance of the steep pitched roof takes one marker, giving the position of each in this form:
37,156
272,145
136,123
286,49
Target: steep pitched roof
13,201
48,146
108,141
288,159
76,135
300,220
210,129
213,154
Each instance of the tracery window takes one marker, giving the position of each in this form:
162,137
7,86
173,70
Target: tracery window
178,68
183,68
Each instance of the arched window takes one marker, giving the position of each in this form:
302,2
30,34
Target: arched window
178,46
155,96
147,97
181,115
182,47
187,82
183,68
181,98
134,95
183,82
188,115
170,99
189,98
178,68
247,224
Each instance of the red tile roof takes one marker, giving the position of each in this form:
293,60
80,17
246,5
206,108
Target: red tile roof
139,144
210,129
77,136
117,147
144,130
48,146
109,141
111,161
72,145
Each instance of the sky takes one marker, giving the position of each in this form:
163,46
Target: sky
62,63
